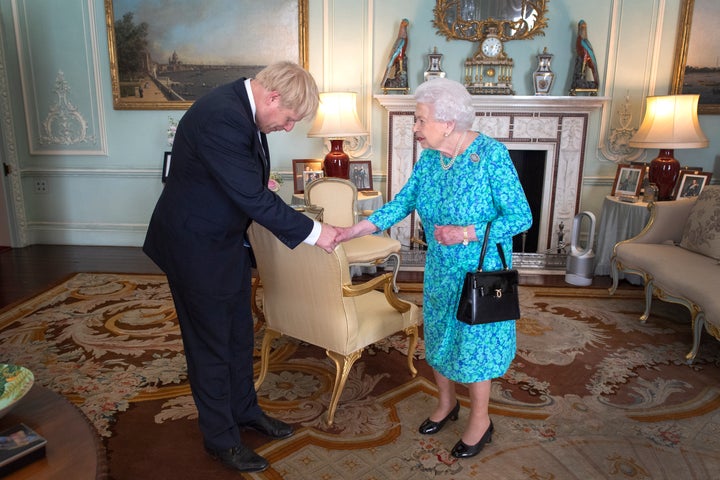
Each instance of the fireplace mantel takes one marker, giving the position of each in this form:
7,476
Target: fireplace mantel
518,103
557,125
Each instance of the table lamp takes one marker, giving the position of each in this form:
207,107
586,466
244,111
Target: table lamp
670,122
336,119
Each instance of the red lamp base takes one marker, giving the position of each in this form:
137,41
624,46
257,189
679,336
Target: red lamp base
664,172
337,162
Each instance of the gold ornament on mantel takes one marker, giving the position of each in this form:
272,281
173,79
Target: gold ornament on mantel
489,71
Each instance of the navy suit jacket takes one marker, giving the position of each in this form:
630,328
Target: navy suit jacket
216,186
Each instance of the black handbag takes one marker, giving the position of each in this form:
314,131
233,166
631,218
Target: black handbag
489,296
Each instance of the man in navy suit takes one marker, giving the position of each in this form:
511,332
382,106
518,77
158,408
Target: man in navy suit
216,187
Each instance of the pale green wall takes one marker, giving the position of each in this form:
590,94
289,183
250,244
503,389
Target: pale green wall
107,199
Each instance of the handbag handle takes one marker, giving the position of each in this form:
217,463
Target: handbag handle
484,249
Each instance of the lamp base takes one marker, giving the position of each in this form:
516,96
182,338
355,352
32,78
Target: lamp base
664,170
337,162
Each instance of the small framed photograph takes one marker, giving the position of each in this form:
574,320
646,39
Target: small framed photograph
628,180
311,176
690,183
300,167
361,174
166,167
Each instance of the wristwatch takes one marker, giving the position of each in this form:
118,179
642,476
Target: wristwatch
466,241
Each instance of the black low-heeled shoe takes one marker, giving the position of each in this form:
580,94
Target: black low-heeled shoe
428,427
462,450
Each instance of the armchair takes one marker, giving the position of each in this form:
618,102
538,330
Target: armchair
308,295
338,200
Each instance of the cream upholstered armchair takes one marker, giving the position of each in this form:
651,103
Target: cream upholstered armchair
338,200
307,294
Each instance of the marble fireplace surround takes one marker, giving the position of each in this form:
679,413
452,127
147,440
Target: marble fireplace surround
556,125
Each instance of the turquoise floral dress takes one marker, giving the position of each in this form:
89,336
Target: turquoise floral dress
481,186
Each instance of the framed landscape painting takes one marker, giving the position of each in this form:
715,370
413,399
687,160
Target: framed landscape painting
165,54
697,57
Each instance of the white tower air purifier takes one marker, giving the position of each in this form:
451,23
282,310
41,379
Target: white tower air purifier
580,261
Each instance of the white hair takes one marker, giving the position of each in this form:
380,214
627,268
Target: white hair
450,100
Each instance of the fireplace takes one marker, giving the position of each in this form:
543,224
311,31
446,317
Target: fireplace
544,134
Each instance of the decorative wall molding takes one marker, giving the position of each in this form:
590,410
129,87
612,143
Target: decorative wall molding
38,60
115,173
77,233
18,224
628,87
346,50
64,124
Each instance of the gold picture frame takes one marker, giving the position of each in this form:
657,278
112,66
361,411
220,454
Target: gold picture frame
697,79
193,62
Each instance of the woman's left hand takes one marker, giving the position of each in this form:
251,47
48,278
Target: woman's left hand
449,234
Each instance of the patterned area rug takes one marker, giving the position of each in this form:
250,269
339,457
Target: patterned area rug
592,393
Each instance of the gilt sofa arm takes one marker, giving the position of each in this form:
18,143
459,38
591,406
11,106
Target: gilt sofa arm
666,222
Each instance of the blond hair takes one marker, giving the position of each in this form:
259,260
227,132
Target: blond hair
297,88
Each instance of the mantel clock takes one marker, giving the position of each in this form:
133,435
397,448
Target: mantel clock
489,71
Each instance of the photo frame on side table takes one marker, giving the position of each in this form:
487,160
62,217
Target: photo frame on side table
628,180
302,165
690,183
361,174
166,167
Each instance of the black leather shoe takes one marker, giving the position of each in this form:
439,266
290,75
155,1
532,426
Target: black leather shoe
240,458
462,450
428,427
272,427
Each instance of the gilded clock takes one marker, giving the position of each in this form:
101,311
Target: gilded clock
491,46
489,71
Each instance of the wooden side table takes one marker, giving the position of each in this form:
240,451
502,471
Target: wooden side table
74,449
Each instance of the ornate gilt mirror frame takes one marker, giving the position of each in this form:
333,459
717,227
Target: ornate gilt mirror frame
469,19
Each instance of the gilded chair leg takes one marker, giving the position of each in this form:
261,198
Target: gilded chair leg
412,333
614,273
268,338
648,299
698,323
343,364
396,269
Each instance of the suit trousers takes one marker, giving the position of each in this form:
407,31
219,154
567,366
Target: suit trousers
218,336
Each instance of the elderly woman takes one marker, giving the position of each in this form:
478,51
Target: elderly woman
462,181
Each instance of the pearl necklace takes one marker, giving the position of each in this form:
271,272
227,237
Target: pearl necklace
455,154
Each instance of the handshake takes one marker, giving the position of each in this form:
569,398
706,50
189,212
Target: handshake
331,236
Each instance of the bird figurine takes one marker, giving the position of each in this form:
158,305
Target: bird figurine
395,77
584,61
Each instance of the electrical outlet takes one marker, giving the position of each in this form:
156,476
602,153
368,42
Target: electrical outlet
41,186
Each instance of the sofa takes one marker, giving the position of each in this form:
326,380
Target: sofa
677,255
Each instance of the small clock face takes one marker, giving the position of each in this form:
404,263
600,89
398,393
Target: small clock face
491,47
